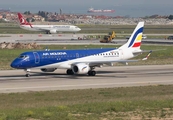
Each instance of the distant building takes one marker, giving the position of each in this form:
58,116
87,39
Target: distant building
4,10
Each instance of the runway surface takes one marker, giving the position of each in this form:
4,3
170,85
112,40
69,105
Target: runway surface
68,39
117,76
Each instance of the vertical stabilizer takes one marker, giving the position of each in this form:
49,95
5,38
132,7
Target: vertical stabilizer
135,39
22,20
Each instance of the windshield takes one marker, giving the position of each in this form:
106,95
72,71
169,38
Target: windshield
23,56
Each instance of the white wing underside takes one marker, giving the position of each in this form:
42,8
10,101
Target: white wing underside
110,63
43,29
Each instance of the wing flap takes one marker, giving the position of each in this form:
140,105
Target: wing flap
110,63
43,29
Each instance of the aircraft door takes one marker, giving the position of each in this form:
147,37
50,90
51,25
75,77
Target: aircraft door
77,55
121,54
37,57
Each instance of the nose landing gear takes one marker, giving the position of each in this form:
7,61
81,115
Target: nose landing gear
27,72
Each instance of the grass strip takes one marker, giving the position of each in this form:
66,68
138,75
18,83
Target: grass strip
109,103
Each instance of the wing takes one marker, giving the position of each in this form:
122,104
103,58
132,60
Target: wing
42,29
110,63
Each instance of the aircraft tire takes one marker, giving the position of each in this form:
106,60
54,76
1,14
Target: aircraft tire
69,72
91,73
27,75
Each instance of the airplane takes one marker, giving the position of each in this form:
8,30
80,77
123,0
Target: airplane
49,29
81,61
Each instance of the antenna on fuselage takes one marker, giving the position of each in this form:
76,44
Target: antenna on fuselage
46,49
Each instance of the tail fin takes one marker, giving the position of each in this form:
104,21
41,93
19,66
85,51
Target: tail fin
22,20
136,37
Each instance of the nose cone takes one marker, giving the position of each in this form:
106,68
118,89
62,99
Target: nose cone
13,64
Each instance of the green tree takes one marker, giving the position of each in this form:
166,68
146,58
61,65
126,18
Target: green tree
27,12
170,17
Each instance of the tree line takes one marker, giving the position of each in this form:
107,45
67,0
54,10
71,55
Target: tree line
44,14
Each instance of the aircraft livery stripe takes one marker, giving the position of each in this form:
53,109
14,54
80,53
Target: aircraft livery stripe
51,57
137,44
135,35
139,38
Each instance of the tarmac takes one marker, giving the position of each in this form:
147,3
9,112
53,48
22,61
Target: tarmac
69,39
107,77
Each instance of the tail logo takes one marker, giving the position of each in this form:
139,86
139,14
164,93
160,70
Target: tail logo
137,37
22,20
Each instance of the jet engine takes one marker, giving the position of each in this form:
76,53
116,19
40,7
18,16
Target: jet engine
53,31
48,69
80,68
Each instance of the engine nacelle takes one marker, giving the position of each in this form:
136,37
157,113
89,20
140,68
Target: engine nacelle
48,69
53,31
80,68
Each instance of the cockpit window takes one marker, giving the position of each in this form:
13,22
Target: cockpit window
23,56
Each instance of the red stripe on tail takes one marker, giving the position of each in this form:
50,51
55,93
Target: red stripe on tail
137,44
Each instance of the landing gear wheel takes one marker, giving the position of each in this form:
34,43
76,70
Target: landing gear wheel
48,32
69,72
27,75
92,73
27,72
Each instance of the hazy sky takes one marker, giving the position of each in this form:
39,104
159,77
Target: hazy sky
133,8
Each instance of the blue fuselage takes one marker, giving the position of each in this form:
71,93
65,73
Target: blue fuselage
42,58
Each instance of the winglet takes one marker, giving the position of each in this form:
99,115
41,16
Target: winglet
147,55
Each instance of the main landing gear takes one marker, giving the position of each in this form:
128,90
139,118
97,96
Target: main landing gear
69,72
48,32
27,72
91,73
